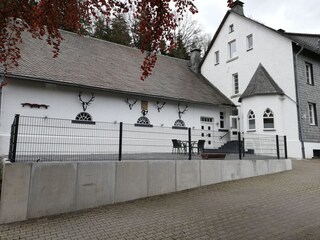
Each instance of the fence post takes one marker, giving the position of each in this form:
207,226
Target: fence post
285,147
278,150
189,140
243,147
239,146
14,138
120,141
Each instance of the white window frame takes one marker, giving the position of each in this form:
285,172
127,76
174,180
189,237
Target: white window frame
249,42
312,114
268,114
235,84
309,73
232,45
251,118
217,57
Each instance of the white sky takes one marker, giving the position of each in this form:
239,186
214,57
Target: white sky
301,16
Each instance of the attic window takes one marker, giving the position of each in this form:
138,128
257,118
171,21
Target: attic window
232,49
231,28
249,42
216,58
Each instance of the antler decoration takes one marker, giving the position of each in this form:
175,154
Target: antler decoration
182,112
86,104
160,106
131,104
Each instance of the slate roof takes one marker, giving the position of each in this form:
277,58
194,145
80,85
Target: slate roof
308,41
93,63
261,84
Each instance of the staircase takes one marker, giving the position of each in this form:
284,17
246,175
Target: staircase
228,147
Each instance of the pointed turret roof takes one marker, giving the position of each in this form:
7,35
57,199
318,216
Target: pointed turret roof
261,84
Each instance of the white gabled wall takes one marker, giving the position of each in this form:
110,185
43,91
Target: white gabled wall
107,107
269,48
282,107
275,53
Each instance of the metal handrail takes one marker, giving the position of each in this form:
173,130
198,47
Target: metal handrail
225,135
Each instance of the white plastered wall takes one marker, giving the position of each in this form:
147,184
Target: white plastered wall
107,107
285,119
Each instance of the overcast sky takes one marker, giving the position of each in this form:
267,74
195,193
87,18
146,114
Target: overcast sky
291,15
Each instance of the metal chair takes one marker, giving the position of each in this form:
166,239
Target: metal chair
177,146
199,146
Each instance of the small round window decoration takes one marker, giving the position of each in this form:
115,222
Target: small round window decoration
83,116
143,120
179,123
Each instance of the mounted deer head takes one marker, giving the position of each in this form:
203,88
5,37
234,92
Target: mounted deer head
131,104
160,106
86,104
182,112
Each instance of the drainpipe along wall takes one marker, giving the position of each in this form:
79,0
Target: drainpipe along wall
298,103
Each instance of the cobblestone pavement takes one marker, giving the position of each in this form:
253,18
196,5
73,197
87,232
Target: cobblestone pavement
280,206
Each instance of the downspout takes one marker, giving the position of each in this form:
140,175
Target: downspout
298,103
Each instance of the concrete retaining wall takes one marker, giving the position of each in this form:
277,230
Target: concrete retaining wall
31,190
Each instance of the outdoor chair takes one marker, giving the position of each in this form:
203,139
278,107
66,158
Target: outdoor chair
199,146
178,146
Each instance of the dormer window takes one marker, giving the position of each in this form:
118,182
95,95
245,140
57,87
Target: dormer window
231,28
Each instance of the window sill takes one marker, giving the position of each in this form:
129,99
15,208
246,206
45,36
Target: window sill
251,130
83,122
176,127
236,95
232,59
313,125
142,125
310,84
223,130
248,50
269,130
216,64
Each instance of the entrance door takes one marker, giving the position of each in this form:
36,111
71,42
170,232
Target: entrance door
207,132
234,127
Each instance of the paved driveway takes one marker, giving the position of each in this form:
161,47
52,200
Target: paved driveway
280,206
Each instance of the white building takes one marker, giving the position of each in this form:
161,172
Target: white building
108,74
272,76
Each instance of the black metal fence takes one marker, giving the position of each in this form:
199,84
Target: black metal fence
49,139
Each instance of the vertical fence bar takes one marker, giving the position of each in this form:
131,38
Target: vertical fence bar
239,145
243,150
14,138
189,140
285,147
278,150
120,141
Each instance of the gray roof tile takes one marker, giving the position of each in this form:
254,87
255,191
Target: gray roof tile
261,84
93,63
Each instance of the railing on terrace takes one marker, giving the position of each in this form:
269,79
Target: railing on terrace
48,139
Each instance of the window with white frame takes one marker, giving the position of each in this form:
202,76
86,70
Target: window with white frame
216,58
268,119
251,120
309,73
249,42
232,49
235,82
231,28
312,114
222,120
